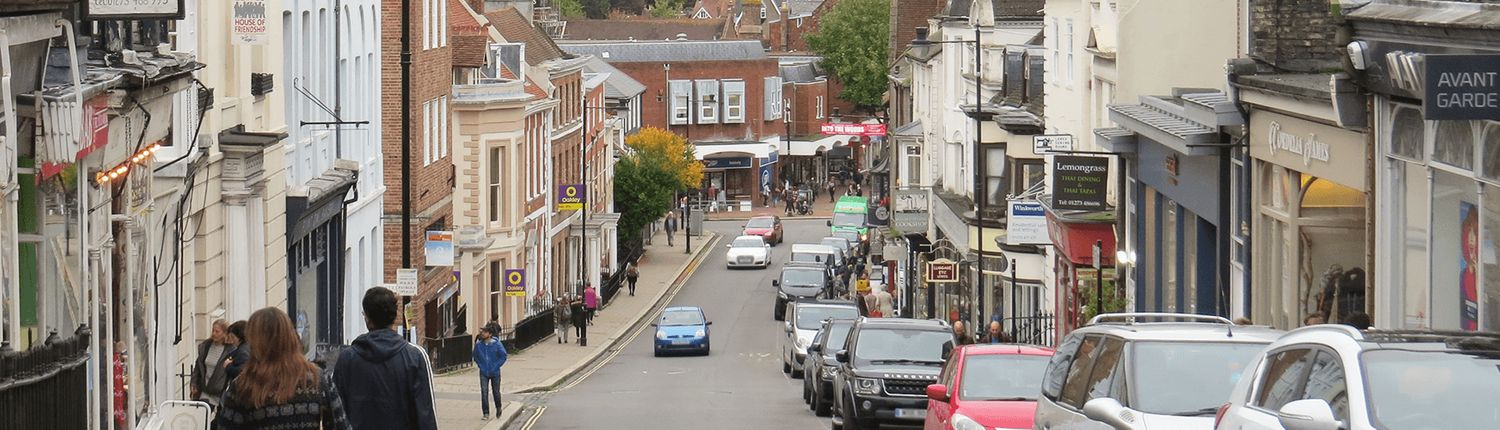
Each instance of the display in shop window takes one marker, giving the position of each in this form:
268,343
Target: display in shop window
1468,289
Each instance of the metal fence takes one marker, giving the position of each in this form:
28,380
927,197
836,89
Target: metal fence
1039,329
616,280
527,332
47,385
449,353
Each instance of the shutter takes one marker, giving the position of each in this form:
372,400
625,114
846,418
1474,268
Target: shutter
734,91
772,95
678,91
1014,66
1035,80
708,101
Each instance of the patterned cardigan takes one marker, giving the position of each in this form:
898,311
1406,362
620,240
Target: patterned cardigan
313,407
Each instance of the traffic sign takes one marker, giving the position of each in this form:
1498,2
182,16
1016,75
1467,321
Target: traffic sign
406,282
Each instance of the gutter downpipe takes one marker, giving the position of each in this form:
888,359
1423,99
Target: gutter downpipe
12,286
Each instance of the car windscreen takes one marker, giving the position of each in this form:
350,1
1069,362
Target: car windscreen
877,346
851,236
748,242
681,318
802,278
835,243
811,257
760,223
1002,377
811,317
1187,378
849,219
1420,389
837,334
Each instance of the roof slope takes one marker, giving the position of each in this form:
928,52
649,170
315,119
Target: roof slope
515,28
618,85
644,29
1003,8
722,50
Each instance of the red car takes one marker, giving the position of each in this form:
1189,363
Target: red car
987,387
768,227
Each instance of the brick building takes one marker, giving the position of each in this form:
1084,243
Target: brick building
726,97
432,178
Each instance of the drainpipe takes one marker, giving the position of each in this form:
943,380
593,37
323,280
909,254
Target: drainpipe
12,287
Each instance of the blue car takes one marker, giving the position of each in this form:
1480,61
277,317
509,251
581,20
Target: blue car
682,329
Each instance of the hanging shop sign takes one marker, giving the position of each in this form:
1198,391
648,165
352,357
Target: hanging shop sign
515,282
1307,147
852,129
132,9
1079,182
910,210
1461,87
439,248
570,197
942,270
727,163
248,22
1026,223
1044,143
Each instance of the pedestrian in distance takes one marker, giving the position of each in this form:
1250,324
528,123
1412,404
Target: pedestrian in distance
1314,318
671,226
279,388
386,381
489,354
590,301
832,194
1358,320
562,316
632,275
961,336
493,326
884,302
209,376
580,318
996,334
239,353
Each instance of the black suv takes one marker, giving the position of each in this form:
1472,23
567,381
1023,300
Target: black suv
800,281
818,367
884,369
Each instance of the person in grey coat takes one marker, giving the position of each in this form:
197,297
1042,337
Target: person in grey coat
562,317
209,377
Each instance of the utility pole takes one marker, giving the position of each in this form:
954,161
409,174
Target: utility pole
405,153
981,188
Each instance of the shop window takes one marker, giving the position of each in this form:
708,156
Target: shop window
1148,259
1412,180
1455,252
1491,167
1454,144
1407,132
1170,255
1491,244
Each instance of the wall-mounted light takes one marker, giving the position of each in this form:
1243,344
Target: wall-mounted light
103,177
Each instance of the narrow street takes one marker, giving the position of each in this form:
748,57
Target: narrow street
739,385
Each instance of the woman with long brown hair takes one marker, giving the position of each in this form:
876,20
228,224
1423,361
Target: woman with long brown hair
279,388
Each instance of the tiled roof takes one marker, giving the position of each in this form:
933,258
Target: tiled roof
723,50
1002,8
644,29
799,8
470,40
716,8
800,73
618,85
514,27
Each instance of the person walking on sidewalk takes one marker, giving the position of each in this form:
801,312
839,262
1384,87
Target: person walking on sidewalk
208,376
385,380
590,301
562,317
580,318
489,354
670,225
832,195
280,388
632,275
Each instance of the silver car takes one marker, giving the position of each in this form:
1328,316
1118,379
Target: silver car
804,318
1142,371
748,251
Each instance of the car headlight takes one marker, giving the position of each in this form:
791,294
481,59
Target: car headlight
826,372
661,334
781,294
866,386
961,422
801,344
699,333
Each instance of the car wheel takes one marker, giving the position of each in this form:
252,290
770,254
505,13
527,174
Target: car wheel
819,406
785,366
706,349
806,393
779,312
796,373
656,352
847,411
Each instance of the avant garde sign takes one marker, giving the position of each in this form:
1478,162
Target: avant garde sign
1461,87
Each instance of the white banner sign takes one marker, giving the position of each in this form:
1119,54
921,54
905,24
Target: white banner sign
1026,224
249,22
133,9
406,282
1044,143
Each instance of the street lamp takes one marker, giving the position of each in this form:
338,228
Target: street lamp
981,191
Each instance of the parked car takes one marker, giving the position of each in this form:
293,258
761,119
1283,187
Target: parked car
1337,377
806,317
856,240
768,227
682,328
748,251
884,370
987,387
818,367
841,244
1146,371
799,281
807,252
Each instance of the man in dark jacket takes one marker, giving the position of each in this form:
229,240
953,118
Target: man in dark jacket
385,381
239,352
489,354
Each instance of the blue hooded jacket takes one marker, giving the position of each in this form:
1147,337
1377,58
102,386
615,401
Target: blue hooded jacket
489,355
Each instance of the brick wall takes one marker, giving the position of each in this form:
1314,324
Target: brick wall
906,16
804,107
431,77
753,72
1296,35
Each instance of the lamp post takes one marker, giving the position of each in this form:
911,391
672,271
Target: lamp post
981,189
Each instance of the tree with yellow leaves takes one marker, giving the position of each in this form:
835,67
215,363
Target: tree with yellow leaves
674,152
647,179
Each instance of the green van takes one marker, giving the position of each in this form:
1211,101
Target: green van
849,214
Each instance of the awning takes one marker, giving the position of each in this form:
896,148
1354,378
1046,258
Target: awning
1075,240
808,148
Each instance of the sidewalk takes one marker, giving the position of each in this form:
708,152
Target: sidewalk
548,363
822,208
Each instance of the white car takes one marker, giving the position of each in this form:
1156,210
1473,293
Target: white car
1335,377
804,318
1146,371
748,251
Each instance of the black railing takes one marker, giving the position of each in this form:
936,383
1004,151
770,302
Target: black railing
450,353
47,385
630,251
1039,329
528,332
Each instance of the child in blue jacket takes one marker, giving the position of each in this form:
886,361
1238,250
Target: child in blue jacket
489,355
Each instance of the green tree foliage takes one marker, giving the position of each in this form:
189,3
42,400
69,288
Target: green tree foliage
852,39
570,8
647,179
635,7
596,9
666,8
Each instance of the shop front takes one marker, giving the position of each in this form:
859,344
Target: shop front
736,171
1308,247
1075,235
